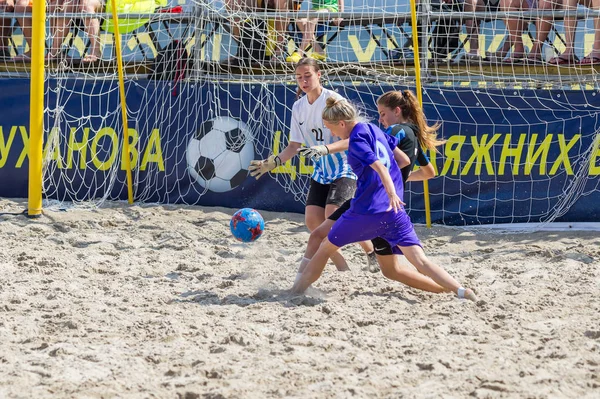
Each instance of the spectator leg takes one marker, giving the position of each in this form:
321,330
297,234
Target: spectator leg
543,26
92,28
22,7
570,25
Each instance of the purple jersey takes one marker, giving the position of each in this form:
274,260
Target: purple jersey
367,145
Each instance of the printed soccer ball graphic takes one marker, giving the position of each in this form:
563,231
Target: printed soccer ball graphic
219,154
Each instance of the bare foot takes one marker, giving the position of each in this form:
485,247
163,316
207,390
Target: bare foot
90,58
470,295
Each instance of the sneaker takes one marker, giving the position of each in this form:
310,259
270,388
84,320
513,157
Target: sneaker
318,57
295,57
372,264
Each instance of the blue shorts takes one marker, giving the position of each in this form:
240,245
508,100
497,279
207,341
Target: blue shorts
394,227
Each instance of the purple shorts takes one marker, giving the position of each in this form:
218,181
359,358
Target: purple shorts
395,228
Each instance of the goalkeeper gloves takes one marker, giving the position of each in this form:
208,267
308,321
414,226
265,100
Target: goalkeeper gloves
314,152
259,168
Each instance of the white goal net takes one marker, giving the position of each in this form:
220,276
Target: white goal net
210,86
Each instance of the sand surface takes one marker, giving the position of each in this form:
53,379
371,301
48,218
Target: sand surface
160,302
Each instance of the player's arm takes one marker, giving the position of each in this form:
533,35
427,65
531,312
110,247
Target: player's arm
401,158
259,168
337,146
426,170
289,151
423,173
388,184
317,151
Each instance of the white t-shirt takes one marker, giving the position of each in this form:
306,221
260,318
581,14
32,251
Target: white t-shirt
307,128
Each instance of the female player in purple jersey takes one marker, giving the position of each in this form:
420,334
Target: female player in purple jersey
376,209
402,116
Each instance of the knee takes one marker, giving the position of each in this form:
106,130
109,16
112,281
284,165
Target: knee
90,6
388,271
21,6
327,247
387,265
318,235
312,222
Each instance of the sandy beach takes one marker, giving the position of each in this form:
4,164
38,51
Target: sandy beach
153,301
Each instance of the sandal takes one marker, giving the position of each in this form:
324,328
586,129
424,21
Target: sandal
534,59
589,60
563,60
90,59
513,61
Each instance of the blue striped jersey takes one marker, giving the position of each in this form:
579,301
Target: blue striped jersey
307,128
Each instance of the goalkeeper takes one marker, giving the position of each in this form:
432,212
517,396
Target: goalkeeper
332,182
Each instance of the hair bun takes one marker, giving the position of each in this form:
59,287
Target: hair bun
333,101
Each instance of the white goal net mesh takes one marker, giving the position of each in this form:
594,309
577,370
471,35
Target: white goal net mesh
516,92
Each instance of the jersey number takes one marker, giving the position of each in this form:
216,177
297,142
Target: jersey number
318,134
382,154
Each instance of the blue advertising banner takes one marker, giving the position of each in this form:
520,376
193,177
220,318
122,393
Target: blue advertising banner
511,155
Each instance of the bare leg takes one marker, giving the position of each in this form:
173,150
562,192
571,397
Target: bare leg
22,7
394,270
316,238
92,27
416,256
543,26
308,36
235,6
315,267
594,55
337,258
5,32
472,26
314,216
280,27
515,27
302,26
60,26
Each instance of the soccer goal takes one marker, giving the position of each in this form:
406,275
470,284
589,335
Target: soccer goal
209,86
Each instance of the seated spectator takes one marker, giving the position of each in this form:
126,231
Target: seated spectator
568,57
234,6
308,27
516,27
92,28
6,28
472,25
126,25
59,27
542,28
